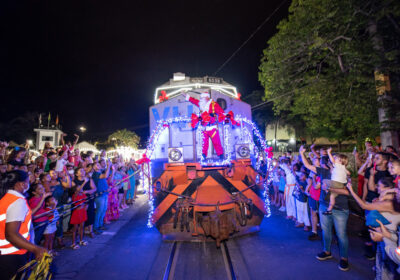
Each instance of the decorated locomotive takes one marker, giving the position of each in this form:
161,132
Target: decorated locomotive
201,160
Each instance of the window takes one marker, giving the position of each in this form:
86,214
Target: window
222,102
47,138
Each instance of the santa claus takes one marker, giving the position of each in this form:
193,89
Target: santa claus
206,104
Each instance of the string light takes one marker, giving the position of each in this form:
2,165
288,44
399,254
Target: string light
162,125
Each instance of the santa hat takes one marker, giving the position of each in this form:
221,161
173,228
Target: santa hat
204,95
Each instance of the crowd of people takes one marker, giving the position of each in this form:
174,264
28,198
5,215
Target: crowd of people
314,189
64,191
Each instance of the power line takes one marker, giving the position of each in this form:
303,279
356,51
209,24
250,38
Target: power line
248,39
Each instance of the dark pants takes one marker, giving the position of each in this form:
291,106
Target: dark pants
9,264
39,231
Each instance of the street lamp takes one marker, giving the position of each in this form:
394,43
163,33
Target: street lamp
82,129
29,142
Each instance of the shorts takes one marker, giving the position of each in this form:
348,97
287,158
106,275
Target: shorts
314,205
281,191
121,190
333,184
126,186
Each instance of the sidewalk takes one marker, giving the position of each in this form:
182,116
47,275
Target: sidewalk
69,262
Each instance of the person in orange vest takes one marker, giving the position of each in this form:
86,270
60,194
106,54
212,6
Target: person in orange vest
15,225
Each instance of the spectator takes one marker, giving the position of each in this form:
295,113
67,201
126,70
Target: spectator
314,192
290,184
338,219
16,158
89,188
131,194
36,203
100,180
78,216
394,170
51,227
301,203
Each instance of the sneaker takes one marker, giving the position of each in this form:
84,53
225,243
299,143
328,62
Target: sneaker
282,209
369,257
324,256
314,236
103,228
98,231
343,265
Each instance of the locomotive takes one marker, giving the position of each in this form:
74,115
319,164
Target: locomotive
197,198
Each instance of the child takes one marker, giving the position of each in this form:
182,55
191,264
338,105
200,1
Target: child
36,203
338,177
282,185
51,228
78,217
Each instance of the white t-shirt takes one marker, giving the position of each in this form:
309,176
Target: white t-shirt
339,173
18,210
60,164
290,178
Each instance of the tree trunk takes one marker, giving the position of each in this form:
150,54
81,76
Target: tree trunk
388,137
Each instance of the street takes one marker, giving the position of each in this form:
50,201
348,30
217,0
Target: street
129,250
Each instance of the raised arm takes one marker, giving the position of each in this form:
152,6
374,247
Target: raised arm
331,158
382,206
305,161
314,151
76,139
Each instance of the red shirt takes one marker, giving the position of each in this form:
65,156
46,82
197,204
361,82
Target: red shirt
315,193
33,202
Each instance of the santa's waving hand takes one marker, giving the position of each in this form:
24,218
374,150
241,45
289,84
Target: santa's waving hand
206,104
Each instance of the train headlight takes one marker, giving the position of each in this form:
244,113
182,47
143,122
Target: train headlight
175,155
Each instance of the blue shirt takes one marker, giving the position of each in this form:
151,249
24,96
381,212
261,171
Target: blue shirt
101,183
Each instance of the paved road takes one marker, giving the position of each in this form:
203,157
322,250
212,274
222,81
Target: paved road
132,251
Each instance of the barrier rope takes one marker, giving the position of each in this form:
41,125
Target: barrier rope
38,269
68,211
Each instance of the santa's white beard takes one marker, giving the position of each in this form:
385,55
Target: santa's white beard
203,105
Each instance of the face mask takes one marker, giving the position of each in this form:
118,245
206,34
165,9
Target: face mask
71,172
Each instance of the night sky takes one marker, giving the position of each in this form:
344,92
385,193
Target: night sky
97,63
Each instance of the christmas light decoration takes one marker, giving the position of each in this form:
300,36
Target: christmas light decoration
162,125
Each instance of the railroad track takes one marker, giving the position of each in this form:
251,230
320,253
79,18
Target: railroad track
202,260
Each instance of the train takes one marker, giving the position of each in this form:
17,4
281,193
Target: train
198,197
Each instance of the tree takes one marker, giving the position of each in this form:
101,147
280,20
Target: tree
319,67
124,137
20,128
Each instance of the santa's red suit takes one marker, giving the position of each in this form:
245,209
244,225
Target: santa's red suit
211,130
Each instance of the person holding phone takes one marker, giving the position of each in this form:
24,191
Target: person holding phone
384,204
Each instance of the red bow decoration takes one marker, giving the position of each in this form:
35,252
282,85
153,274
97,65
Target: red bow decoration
230,117
221,117
195,120
269,152
163,97
144,159
204,118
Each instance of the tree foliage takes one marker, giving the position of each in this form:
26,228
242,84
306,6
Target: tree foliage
124,137
319,67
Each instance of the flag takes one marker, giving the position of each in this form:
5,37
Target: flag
48,120
57,120
40,120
